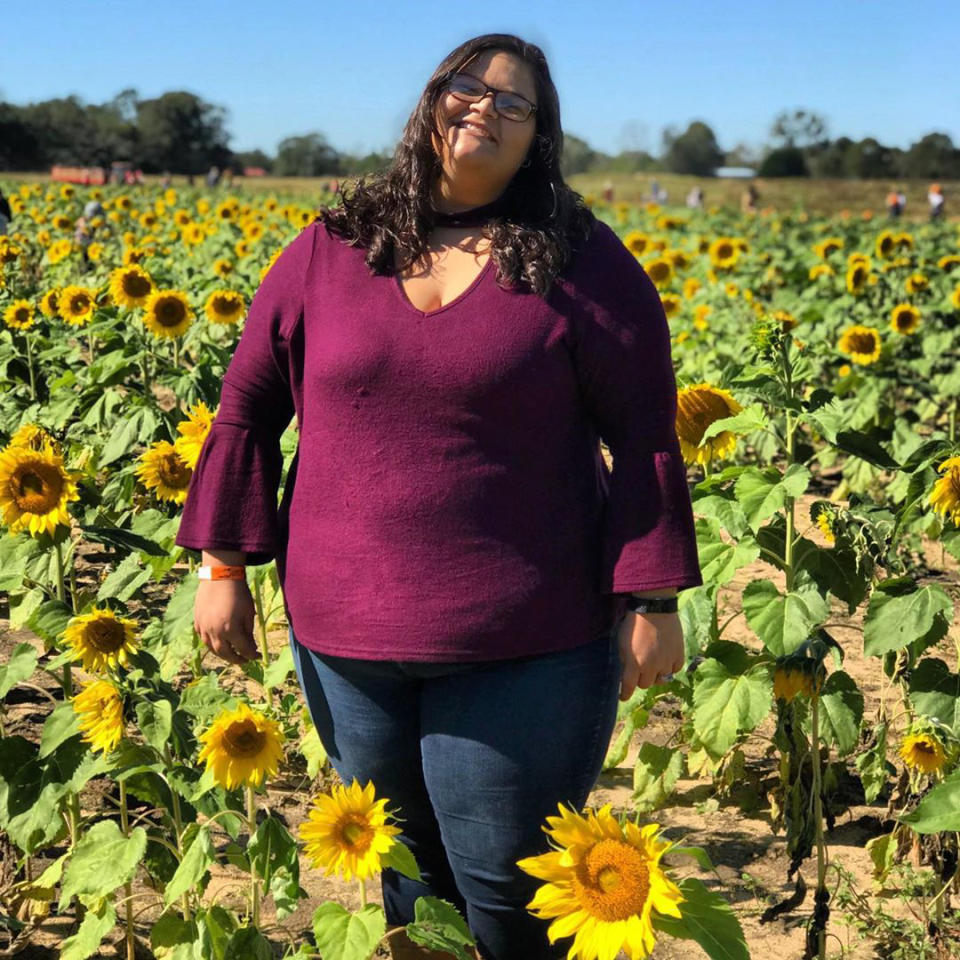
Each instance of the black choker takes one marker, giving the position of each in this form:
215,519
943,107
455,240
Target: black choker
474,217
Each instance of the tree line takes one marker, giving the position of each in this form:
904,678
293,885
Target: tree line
181,133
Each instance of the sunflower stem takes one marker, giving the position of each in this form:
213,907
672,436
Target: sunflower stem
90,343
128,886
177,823
254,883
176,352
262,633
818,823
33,384
363,892
61,593
951,421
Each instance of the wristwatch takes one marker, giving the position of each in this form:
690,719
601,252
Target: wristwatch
651,604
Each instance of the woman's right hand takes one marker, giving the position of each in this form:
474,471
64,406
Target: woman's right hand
223,616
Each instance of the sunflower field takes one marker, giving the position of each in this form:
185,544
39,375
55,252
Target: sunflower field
794,791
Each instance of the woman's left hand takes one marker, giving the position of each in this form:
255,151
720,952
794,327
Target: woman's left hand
651,646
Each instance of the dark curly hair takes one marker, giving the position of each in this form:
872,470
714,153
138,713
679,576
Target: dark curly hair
545,223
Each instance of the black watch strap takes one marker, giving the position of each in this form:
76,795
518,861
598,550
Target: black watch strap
651,604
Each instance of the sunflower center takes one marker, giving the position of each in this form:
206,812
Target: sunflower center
37,487
355,833
612,882
724,251
135,285
170,312
80,303
21,315
104,635
243,739
862,342
225,306
922,746
173,471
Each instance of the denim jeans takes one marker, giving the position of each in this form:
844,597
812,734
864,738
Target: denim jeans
474,757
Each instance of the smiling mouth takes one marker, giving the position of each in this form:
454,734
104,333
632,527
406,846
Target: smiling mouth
476,129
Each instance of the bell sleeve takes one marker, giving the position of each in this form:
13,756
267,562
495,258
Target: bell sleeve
232,497
625,372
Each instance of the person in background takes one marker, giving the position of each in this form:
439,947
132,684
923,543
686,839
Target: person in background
695,198
901,201
608,191
166,180
6,214
936,200
749,198
213,176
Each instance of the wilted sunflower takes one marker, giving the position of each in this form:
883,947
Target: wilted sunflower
101,639
34,490
163,470
193,431
861,344
857,275
905,318
76,304
346,832
923,751
603,884
697,407
100,710
917,283
167,313
660,271
241,747
130,286
945,496
788,683
225,306
724,253
19,315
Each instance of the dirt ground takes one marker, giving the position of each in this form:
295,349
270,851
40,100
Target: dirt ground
735,830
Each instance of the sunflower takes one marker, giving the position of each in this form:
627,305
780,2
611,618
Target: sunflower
905,318
724,253
163,470
828,246
826,526
167,313
789,682
844,370
917,283
690,287
786,319
885,245
859,258
347,833
34,490
602,884
923,751
857,275
949,262
134,255
101,639
241,747
33,437
955,299
226,210
253,230
225,306
861,344
19,315
904,241
671,304
700,316
193,234
660,271
193,432
76,304
222,268
821,270
59,250
697,407
945,496
100,710
130,286
637,242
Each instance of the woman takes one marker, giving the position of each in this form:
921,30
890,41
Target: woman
456,558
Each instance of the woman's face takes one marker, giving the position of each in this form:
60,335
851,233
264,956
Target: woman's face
496,151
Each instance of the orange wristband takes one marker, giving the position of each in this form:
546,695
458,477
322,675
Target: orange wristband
221,572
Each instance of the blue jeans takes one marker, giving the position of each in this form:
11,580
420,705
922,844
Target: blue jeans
474,756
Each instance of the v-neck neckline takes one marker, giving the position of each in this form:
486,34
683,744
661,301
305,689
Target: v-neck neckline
398,286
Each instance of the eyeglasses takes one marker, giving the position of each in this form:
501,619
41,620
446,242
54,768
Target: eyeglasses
509,105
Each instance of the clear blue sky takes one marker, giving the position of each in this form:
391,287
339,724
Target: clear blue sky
624,70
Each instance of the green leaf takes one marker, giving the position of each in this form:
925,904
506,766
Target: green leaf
748,420
763,492
279,669
272,848
894,621
698,854
312,749
342,935
841,710
23,606
173,938
619,749
61,724
883,854
939,810
103,860
248,943
935,692
199,857
177,632
873,766
49,621
96,924
400,858
726,705
204,698
655,775
20,665
720,561
155,719
783,623
129,576
438,925
708,920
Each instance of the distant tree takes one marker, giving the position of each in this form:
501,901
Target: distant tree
933,157
19,147
368,163
306,156
253,158
578,156
742,155
784,162
182,133
695,151
799,128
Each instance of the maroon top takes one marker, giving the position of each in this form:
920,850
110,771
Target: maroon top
448,499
